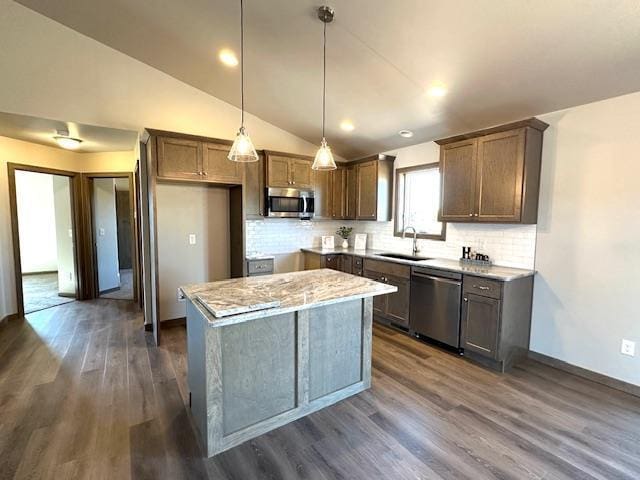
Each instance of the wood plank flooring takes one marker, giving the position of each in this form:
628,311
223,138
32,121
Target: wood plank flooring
84,394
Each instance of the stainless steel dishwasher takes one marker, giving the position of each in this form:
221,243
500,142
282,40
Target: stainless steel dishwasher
435,304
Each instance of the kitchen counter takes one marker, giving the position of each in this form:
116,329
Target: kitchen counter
504,274
280,293
309,346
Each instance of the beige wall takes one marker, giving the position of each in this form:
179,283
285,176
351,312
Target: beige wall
97,85
65,236
588,281
17,151
185,210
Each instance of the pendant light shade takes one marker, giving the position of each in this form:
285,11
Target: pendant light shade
242,149
324,158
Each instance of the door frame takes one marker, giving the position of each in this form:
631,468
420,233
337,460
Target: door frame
91,270
76,221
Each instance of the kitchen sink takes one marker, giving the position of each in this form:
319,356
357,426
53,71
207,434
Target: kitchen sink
402,256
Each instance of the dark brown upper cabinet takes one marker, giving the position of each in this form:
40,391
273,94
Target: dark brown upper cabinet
492,175
322,194
285,170
187,157
254,188
339,193
374,188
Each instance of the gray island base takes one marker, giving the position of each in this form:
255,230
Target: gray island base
253,372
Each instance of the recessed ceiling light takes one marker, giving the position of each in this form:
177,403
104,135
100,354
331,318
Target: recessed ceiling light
405,133
347,126
227,57
437,90
68,142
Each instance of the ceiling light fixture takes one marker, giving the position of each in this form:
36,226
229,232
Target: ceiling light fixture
405,133
437,90
242,149
347,126
63,139
324,158
227,57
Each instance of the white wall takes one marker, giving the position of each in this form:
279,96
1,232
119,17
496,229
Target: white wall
106,233
36,222
64,235
588,282
184,210
97,85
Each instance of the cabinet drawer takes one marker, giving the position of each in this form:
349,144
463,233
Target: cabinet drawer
389,268
259,267
357,262
482,286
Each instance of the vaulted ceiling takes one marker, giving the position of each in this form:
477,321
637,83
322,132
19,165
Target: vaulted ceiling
501,60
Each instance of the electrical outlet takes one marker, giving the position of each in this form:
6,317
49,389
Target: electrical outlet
628,348
180,296
192,239
101,232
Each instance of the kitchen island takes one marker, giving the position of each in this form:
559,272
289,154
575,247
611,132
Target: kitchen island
264,351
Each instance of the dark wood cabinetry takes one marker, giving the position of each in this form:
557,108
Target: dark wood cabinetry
191,158
496,320
338,193
254,188
323,198
492,175
285,170
393,307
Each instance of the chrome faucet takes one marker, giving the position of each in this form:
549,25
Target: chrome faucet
415,238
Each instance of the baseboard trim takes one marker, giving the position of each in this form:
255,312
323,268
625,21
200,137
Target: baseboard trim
46,272
108,290
600,378
174,322
67,295
8,318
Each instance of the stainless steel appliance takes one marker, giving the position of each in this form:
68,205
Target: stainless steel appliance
435,304
289,203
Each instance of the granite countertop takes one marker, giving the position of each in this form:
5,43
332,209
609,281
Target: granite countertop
290,291
495,272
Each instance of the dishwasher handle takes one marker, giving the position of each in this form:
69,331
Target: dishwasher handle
436,279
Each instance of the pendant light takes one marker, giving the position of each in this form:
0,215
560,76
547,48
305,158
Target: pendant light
242,149
324,157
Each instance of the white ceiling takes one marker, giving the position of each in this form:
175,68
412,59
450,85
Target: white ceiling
42,131
502,60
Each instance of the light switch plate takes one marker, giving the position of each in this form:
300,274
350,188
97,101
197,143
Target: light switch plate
101,232
628,348
192,239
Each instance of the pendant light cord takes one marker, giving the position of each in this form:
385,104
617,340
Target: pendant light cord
241,64
324,76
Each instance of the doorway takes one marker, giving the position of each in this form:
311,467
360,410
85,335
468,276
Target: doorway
113,228
44,236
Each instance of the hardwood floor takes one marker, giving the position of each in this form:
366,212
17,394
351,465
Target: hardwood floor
84,394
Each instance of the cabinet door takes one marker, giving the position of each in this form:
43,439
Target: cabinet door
367,190
332,261
278,174
253,188
481,319
337,193
398,302
350,193
217,167
379,301
346,263
458,180
500,172
179,158
322,194
301,173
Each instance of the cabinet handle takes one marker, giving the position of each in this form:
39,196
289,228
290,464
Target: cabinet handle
481,287
471,214
465,299
204,174
476,214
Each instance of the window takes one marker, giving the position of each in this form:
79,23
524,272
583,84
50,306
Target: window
418,200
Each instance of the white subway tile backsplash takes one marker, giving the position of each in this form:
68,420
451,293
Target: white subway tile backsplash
508,245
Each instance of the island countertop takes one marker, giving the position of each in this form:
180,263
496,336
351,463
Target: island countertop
292,291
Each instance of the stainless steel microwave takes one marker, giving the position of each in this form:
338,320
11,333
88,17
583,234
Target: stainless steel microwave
289,203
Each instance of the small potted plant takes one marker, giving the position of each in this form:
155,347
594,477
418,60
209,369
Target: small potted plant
344,233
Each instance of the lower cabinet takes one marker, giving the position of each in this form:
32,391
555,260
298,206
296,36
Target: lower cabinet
481,317
398,302
393,307
346,263
332,261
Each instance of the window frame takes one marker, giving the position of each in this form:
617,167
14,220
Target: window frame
399,172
